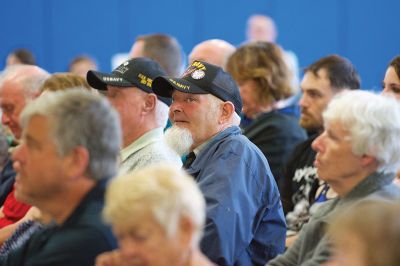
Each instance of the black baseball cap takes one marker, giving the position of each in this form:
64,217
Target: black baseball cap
201,78
136,72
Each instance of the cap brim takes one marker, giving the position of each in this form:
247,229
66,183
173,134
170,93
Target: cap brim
100,80
164,86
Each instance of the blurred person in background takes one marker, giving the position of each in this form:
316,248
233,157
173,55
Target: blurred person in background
162,48
21,56
263,79
214,51
367,234
81,64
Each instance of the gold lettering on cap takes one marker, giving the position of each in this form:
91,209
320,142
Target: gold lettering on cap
145,80
198,65
180,85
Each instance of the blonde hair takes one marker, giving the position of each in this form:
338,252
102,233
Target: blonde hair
63,81
264,63
165,192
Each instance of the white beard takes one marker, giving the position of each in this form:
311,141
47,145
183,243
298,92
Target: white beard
179,139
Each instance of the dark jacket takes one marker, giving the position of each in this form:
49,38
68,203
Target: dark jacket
276,135
76,242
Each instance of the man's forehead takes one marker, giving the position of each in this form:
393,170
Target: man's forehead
11,88
318,82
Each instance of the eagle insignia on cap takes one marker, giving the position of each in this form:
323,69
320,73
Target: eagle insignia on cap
198,74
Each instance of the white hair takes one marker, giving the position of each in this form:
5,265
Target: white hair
161,114
179,139
165,192
30,77
373,122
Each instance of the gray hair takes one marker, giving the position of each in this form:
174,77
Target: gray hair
80,118
31,78
373,122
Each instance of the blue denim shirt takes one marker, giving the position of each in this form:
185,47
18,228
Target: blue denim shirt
245,224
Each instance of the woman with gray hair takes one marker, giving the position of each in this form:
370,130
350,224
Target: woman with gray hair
157,214
357,155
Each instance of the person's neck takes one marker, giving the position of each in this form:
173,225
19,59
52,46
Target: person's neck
198,259
264,109
136,134
346,185
220,128
65,203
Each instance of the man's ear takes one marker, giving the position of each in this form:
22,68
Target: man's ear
186,231
367,160
227,111
76,162
150,102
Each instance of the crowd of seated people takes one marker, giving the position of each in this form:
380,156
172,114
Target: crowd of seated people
162,163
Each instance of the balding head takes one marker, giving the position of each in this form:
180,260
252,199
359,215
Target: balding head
213,51
18,85
261,28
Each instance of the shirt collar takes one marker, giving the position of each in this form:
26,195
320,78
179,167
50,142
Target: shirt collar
151,136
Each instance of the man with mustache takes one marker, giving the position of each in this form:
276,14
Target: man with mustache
244,218
322,80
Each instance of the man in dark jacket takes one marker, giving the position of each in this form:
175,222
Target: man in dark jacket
70,145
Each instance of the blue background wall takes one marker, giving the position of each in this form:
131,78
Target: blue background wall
365,31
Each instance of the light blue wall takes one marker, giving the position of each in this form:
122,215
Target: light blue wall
365,31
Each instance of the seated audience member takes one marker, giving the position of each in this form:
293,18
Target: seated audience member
19,84
391,81
303,191
7,174
142,113
64,81
213,51
69,150
263,79
357,155
164,49
262,28
244,218
391,86
367,234
80,65
20,56
162,205
32,221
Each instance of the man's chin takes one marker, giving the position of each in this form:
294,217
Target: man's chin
308,125
20,196
179,139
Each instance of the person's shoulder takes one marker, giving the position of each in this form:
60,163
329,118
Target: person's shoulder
390,192
68,246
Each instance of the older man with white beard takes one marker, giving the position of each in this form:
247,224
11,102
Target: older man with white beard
245,223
